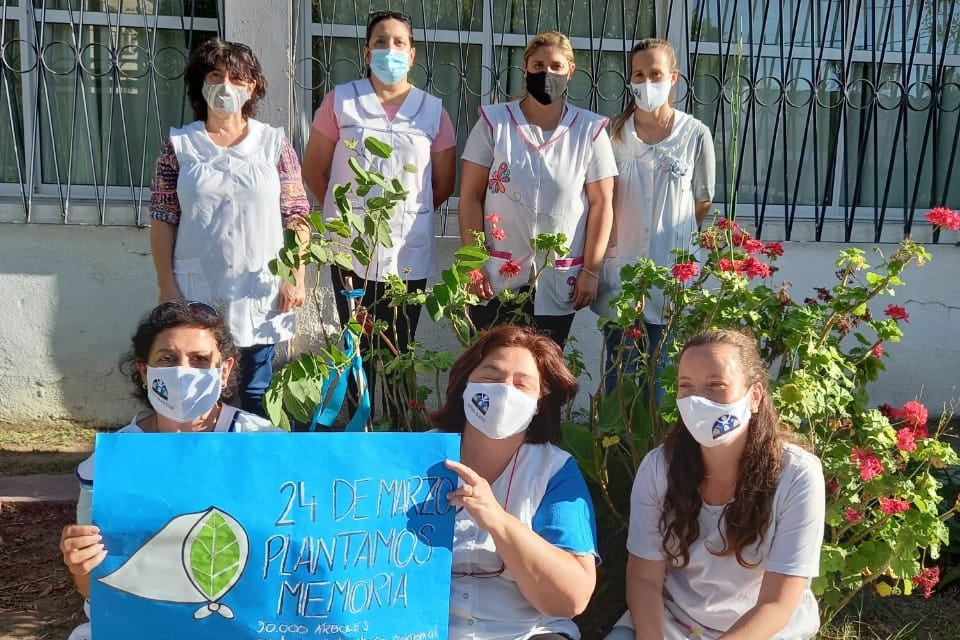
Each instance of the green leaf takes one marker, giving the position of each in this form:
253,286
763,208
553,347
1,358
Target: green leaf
434,309
449,277
378,148
216,561
578,442
343,261
410,168
359,171
316,219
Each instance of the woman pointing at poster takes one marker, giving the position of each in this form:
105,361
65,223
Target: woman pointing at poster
524,544
538,165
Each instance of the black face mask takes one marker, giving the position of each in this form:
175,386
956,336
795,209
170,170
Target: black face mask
545,87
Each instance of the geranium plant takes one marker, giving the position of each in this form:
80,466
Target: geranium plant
884,513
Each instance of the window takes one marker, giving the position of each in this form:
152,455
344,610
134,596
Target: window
89,88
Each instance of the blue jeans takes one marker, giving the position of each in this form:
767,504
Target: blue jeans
614,341
256,370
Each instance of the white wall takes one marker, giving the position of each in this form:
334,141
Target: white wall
70,298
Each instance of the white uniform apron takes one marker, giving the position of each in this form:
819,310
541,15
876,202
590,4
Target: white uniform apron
654,205
230,228
539,188
411,134
493,607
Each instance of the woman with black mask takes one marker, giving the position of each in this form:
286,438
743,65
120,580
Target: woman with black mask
538,165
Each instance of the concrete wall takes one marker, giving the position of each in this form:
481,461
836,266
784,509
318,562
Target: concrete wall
70,298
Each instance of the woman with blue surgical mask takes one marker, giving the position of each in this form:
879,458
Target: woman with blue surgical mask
727,516
524,544
226,187
663,193
386,106
183,365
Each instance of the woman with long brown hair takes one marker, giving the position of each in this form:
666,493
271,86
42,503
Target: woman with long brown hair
726,518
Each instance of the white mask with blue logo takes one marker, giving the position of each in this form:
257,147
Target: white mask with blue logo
711,423
498,410
183,394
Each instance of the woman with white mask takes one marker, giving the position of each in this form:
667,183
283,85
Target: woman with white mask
183,364
727,516
225,188
386,106
663,193
524,545
532,166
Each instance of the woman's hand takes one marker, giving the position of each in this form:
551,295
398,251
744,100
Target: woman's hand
476,496
585,289
292,296
481,287
170,292
82,548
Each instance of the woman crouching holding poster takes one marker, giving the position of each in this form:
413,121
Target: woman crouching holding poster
524,547
183,364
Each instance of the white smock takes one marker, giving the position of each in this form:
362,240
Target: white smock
539,187
712,592
411,133
494,608
655,204
230,228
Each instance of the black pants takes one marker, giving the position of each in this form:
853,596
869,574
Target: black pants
400,332
494,313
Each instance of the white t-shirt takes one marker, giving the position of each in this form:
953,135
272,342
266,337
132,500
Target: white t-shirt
712,592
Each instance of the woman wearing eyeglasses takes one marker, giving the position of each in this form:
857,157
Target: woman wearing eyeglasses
386,106
183,366
524,546
226,187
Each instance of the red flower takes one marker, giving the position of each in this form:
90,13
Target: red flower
773,249
475,276
726,223
915,416
752,245
833,487
708,240
684,271
868,462
943,217
891,413
509,269
906,439
877,350
739,237
363,319
413,403
853,516
726,264
755,269
493,218
897,313
893,506
927,580
635,333
498,234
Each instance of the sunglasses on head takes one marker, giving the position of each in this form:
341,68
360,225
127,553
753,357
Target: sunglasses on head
196,308
387,14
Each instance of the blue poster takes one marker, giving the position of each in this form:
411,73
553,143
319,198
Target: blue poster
273,536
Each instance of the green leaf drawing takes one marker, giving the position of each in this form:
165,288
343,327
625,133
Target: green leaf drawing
216,558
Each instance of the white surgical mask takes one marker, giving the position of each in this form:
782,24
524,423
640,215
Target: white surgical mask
650,96
711,423
225,98
183,394
498,410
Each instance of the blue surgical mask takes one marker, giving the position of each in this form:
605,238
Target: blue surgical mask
389,65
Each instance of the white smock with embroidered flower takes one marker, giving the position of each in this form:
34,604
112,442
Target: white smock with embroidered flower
655,202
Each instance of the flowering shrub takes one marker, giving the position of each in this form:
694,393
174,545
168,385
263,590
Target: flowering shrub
884,518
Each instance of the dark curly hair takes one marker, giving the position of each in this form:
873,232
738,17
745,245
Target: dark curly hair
169,315
240,64
555,379
747,518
